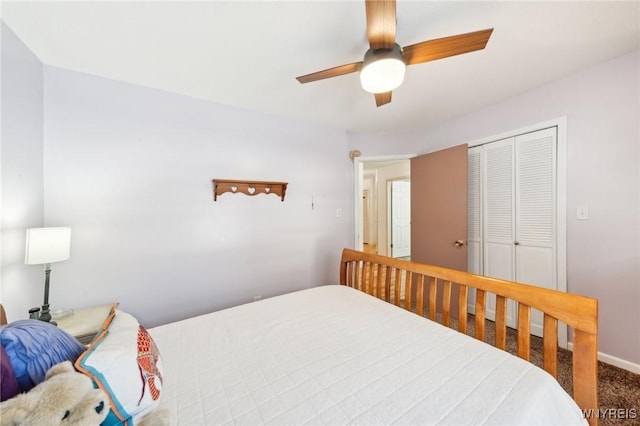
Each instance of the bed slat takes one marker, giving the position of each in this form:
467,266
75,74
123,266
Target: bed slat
408,290
367,278
433,294
398,285
387,283
446,303
550,345
480,314
462,308
524,331
420,295
501,322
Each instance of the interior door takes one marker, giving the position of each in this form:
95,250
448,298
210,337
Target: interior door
400,218
439,211
439,208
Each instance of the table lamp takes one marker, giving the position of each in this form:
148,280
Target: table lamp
46,246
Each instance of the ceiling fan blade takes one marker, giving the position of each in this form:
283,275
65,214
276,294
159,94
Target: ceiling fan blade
444,47
383,98
331,72
381,23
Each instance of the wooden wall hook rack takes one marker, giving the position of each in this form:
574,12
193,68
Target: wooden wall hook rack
248,187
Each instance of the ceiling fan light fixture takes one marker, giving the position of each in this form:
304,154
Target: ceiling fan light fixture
382,70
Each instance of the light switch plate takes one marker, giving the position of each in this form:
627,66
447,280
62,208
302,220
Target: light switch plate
582,213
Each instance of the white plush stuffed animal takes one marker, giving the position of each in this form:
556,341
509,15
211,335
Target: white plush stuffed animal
65,397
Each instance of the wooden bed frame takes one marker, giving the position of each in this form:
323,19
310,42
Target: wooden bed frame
388,278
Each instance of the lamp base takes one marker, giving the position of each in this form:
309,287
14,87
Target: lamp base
45,315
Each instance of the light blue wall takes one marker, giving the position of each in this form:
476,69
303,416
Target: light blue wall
129,169
21,153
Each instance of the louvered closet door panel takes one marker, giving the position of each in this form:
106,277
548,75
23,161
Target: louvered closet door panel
535,188
498,177
498,211
535,212
474,201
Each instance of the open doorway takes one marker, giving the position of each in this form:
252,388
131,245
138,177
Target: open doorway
373,213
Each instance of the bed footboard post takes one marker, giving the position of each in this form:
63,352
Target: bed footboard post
3,315
585,374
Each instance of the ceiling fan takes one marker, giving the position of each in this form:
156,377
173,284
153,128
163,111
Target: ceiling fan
384,64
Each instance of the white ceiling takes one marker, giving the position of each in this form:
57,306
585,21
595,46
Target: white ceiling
247,54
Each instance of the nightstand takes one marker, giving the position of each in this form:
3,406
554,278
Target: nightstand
84,324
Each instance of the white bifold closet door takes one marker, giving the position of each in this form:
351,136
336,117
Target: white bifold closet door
512,188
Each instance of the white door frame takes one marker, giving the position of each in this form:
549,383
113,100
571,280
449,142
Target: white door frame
358,174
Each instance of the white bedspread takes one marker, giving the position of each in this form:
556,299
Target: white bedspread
333,355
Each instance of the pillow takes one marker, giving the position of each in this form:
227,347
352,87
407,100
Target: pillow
123,361
9,386
34,346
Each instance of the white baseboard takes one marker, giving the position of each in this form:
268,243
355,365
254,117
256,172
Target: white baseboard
618,362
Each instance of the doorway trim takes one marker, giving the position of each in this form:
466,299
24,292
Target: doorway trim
358,173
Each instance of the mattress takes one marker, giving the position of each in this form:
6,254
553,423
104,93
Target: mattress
334,355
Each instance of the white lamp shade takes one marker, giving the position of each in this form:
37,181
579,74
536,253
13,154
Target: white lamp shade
382,69
382,75
47,245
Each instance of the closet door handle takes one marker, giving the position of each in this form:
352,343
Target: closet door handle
516,243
